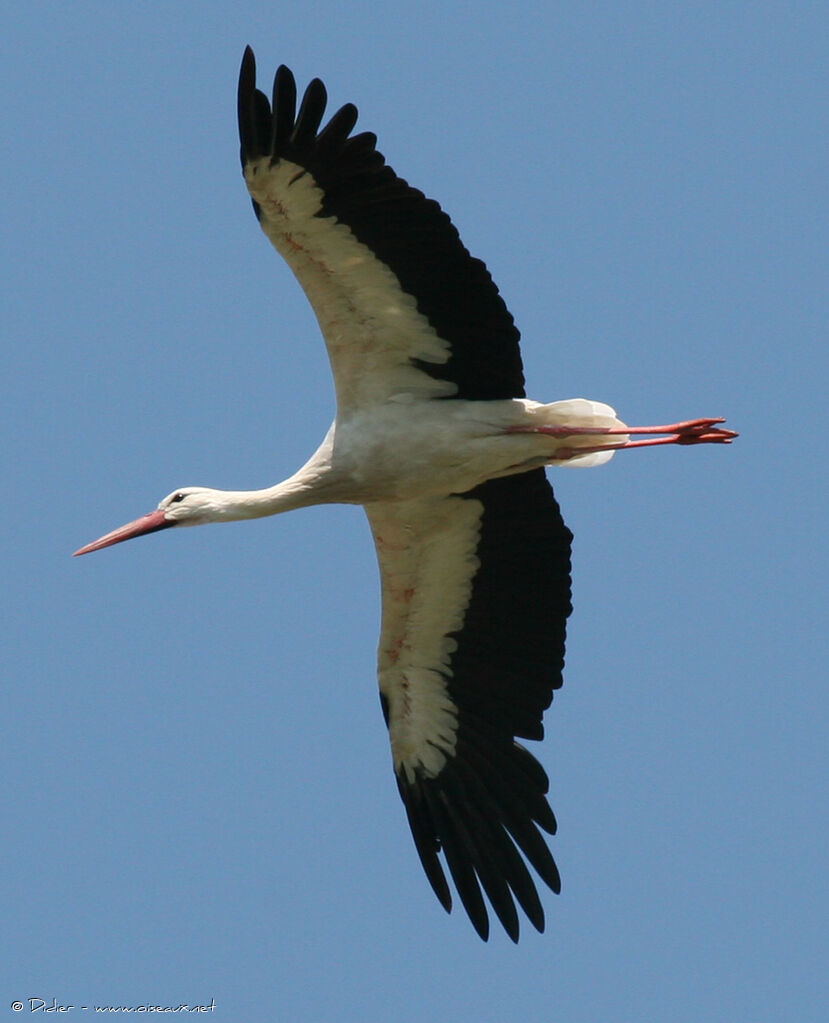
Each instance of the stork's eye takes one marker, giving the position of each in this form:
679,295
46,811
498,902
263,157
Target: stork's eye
176,498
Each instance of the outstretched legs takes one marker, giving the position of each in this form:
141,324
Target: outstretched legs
691,431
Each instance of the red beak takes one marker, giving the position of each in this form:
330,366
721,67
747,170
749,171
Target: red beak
146,524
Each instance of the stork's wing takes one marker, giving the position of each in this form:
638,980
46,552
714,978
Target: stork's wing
476,592
403,307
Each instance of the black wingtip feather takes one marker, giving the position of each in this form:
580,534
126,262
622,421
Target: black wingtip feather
310,113
244,102
333,136
484,848
456,849
475,812
284,107
489,818
427,845
254,112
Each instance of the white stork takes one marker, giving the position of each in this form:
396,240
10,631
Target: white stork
434,437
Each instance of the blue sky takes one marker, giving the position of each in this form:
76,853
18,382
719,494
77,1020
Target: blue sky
198,800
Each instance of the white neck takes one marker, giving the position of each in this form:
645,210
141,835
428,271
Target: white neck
314,483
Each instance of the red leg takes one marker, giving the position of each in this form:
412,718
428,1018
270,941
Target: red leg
690,431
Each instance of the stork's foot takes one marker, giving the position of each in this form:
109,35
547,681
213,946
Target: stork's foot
692,431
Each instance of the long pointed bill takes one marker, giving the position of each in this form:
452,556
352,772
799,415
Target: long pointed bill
149,523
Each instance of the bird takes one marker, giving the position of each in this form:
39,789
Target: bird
434,436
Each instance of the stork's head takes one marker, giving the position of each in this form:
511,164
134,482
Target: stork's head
187,506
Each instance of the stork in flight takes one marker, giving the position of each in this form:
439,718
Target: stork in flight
434,437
